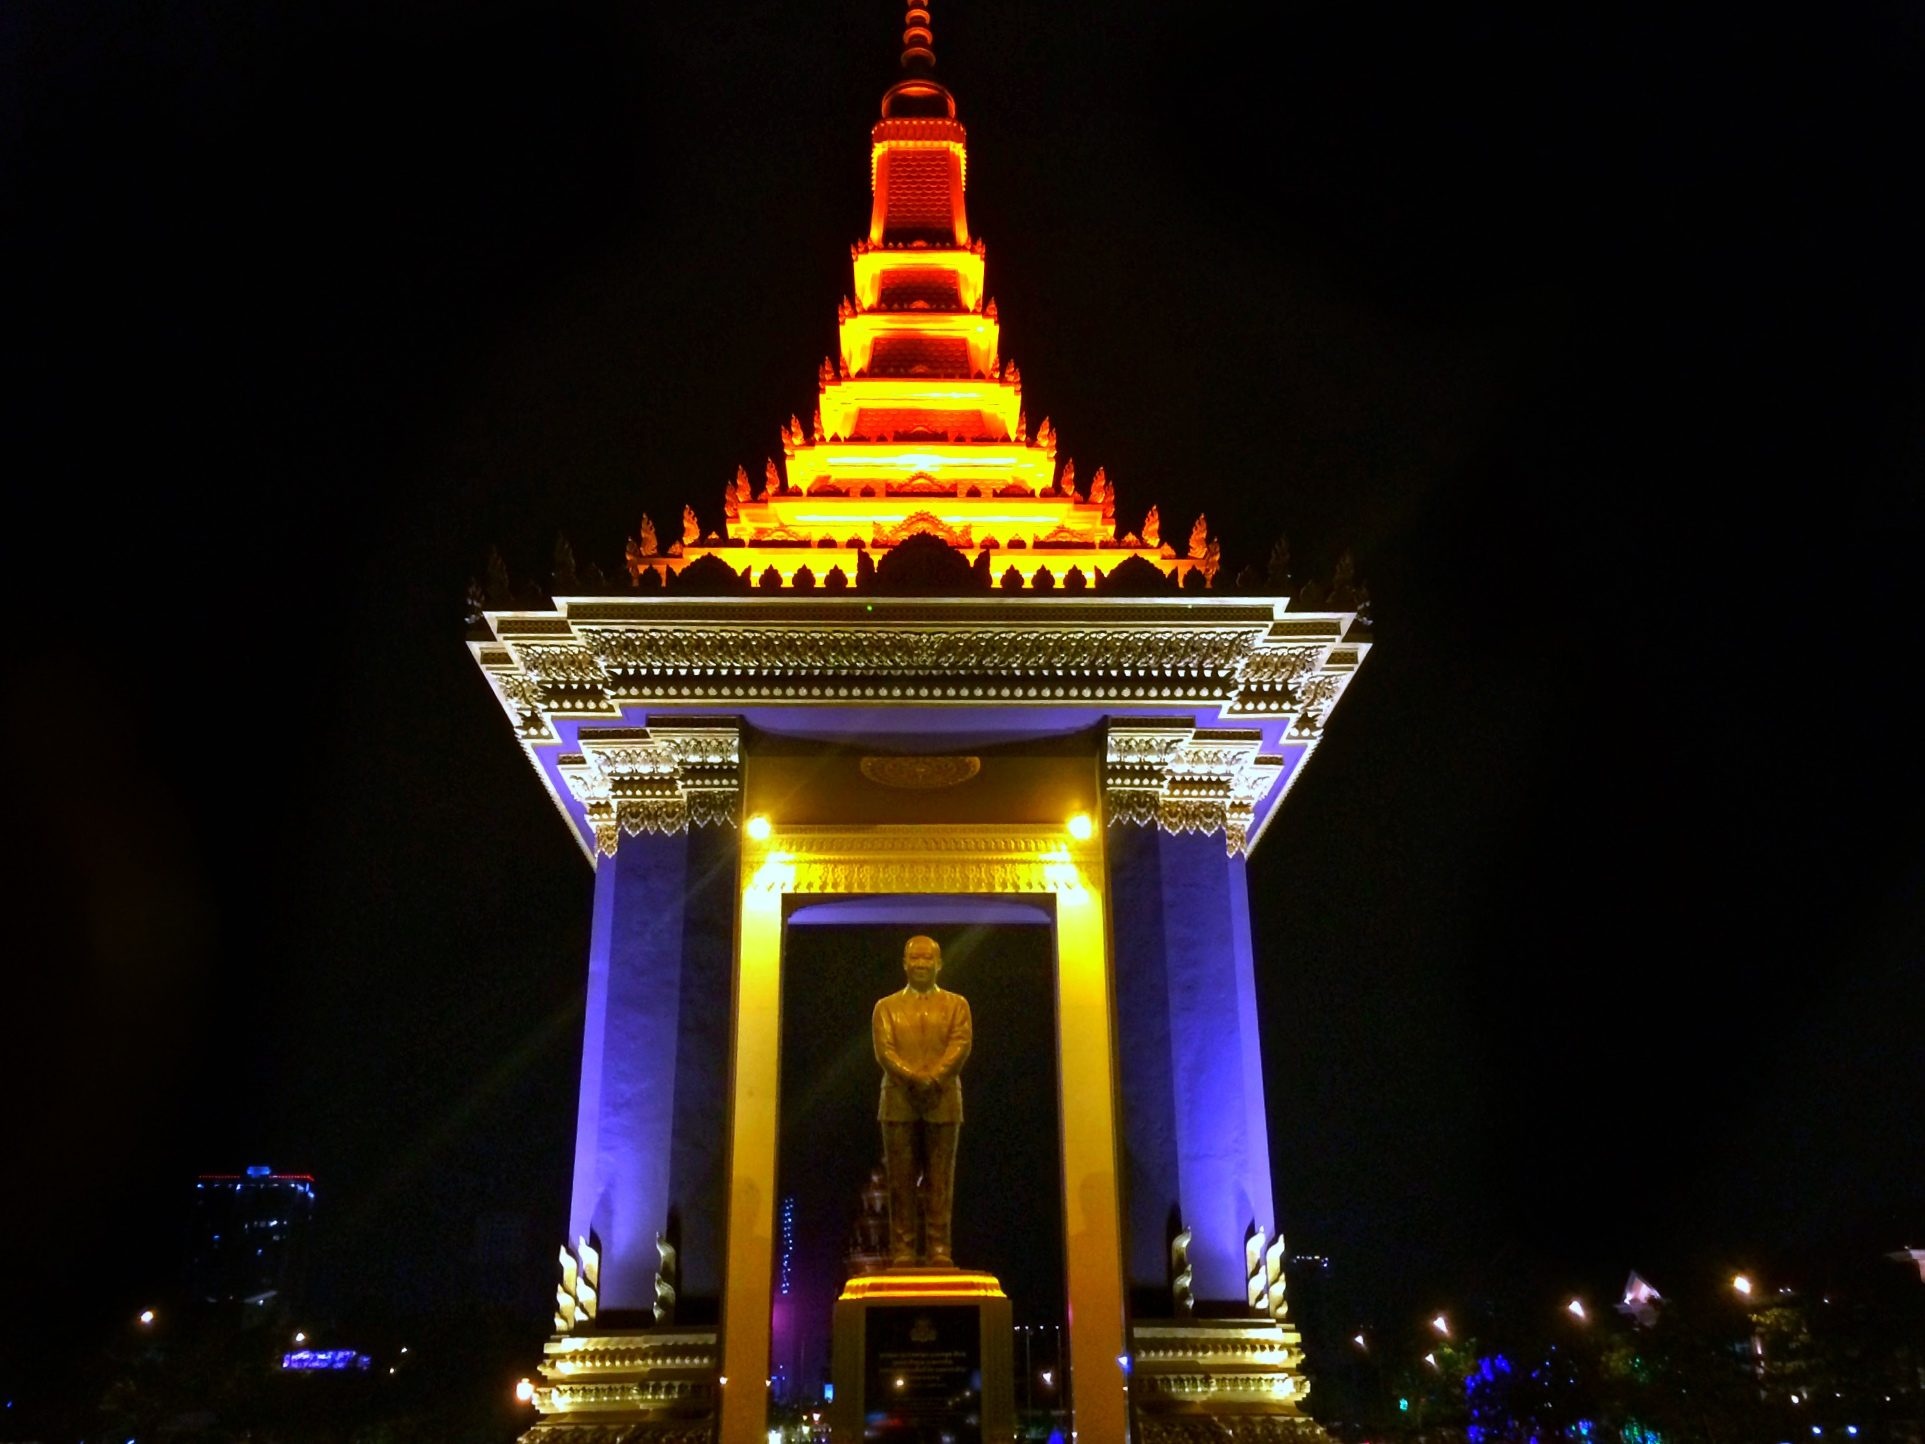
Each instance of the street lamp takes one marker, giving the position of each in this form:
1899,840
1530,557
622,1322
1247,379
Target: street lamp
1741,1284
1575,1308
1442,1325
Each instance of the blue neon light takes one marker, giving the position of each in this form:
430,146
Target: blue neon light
319,1359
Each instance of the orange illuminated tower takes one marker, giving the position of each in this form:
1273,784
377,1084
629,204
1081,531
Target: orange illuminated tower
919,426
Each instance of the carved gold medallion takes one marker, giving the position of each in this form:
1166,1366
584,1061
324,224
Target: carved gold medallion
921,774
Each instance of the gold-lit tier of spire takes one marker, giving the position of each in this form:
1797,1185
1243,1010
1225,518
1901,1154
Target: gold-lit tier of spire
919,425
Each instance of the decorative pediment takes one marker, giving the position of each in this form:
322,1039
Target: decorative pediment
922,484
921,523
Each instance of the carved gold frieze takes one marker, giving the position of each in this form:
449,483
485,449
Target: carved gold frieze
1236,664
1315,699
1189,1369
662,778
908,859
643,1380
521,697
1169,773
1006,649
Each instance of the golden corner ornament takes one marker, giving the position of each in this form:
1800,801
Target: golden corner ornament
1068,721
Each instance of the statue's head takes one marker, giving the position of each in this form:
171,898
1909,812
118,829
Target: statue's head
921,961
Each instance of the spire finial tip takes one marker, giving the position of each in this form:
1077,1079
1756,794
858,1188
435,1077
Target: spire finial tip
918,38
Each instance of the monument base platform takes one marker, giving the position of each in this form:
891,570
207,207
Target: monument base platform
1220,1380
923,1356
646,1386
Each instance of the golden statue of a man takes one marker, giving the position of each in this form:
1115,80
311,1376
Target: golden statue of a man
923,1036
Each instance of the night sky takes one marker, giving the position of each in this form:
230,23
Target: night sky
1591,938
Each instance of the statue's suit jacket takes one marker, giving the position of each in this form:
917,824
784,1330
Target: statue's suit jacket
921,1032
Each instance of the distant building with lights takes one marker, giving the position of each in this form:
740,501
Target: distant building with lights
250,1237
786,1377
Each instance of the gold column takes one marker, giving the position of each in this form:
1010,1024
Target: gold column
754,1118
1086,1076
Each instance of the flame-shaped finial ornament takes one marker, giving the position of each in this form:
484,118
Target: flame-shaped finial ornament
667,1276
1182,1276
918,40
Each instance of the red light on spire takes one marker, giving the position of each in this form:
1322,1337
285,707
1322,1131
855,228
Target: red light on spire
918,40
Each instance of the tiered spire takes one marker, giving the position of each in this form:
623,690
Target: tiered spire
919,425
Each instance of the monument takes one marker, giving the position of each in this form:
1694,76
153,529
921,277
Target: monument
922,1351
922,673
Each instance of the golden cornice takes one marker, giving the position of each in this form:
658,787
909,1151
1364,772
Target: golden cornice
598,655
599,660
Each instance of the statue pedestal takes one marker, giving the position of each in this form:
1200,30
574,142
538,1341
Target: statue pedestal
923,1355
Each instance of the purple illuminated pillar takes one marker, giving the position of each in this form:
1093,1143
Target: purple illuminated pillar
649,1137
1194,1134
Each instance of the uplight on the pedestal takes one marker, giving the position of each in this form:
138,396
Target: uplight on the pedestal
760,828
1081,828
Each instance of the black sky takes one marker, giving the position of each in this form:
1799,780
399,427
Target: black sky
1591,938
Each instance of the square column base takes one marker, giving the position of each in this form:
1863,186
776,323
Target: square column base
646,1386
1231,1380
923,1355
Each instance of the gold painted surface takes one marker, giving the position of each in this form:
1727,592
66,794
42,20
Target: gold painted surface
907,859
901,1284
1086,1073
754,1117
